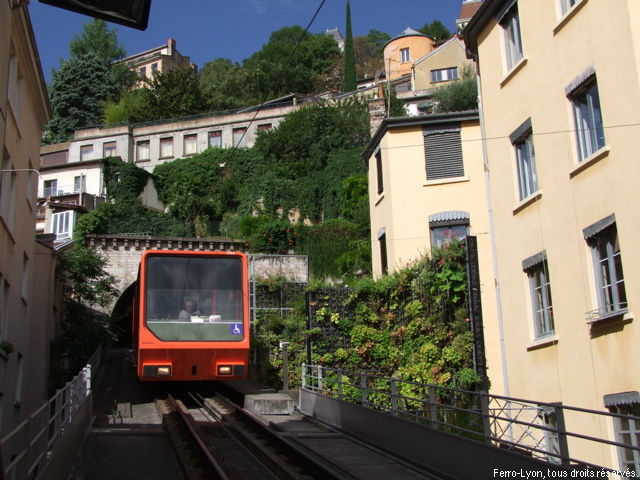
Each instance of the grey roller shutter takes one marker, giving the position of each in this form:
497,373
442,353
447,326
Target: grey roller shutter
443,153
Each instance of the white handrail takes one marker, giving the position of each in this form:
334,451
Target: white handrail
21,449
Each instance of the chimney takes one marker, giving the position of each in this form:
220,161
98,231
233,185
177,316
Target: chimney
171,44
377,112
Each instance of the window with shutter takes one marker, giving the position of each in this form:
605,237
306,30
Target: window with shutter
443,152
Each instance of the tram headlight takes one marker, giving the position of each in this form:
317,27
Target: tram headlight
225,370
156,370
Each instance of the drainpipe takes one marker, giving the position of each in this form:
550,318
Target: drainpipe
485,156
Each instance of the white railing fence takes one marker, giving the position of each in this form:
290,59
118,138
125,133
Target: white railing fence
27,449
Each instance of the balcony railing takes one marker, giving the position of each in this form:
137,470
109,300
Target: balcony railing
60,190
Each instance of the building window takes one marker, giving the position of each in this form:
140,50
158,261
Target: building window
31,185
537,270
4,320
510,23
143,152
215,139
602,237
382,243
142,71
14,89
86,153
627,428
25,276
379,172
19,382
405,56
190,144
240,137
154,67
444,227
444,74
566,5
588,118
62,224
109,149
443,152
8,192
522,140
166,147
80,184
50,188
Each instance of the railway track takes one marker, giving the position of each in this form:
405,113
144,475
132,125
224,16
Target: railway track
215,438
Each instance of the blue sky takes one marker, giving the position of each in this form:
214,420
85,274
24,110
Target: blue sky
235,29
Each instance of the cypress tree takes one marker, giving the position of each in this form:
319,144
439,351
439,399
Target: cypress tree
349,81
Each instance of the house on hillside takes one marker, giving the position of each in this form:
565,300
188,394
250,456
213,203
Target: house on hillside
72,173
560,129
402,50
160,59
440,66
337,36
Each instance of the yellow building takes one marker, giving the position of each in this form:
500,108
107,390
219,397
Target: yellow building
560,96
161,59
426,185
26,266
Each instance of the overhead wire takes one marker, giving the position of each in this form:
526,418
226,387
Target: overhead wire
534,134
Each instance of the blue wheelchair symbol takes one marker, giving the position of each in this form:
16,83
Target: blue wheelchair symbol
237,329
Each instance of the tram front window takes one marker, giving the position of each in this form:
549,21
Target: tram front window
195,298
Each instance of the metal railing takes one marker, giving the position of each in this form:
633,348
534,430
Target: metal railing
544,430
28,448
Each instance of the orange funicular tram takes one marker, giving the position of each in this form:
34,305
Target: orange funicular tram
191,317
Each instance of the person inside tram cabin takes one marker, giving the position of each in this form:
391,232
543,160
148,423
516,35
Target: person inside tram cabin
190,308
227,306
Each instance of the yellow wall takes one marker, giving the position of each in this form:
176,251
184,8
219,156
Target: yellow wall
450,54
418,45
26,314
582,363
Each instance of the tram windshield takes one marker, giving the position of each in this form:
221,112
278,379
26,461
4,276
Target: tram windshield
195,298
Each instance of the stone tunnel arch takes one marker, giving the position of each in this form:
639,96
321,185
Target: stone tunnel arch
122,315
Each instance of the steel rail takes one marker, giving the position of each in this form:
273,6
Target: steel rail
202,448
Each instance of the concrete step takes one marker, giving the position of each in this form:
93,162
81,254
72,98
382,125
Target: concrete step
269,404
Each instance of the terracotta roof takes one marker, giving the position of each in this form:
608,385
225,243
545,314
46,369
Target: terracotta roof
469,9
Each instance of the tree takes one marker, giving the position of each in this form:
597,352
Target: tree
221,83
86,284
459,95
172,94
350,83
197,189
368,62
380,39
292,61
78,92
436,30
302,163
97,40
